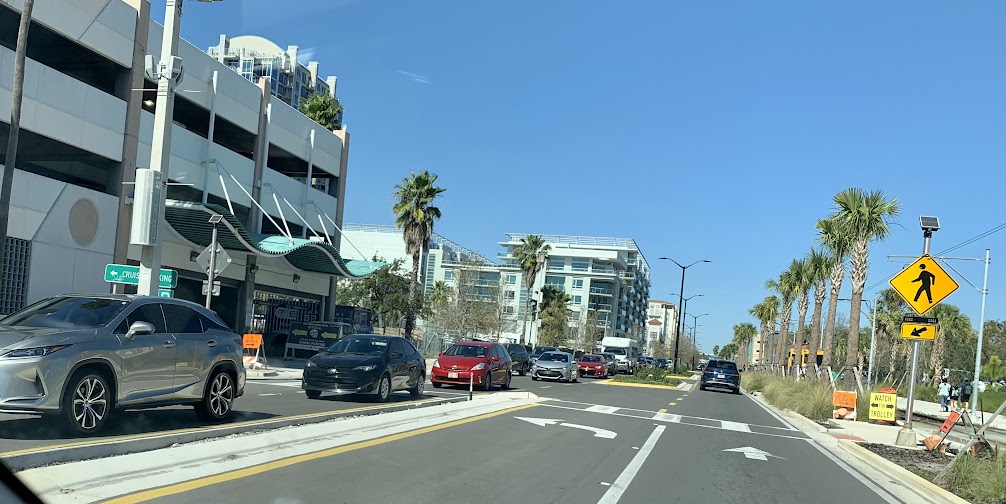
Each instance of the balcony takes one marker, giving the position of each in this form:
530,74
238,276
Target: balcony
502,254
603,271
602,291
600,306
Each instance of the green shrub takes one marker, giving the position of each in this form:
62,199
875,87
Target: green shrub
651,375
812,399
978,480
754,381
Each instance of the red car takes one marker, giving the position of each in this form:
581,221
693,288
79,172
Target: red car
593,365
484,363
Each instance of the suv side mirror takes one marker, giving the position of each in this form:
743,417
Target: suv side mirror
139,328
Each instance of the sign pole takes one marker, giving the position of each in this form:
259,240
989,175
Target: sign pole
906,436
981,336
211,271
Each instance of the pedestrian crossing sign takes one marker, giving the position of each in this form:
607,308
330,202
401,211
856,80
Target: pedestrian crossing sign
924,284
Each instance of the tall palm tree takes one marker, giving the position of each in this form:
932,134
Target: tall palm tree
766,312
836,240
820,267
531,254
785,287
955,327
801,273
868,217
323,109
415,215
743,333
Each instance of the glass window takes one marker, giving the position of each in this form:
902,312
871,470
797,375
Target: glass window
590,358
448,274
181,319
396,346
67,313
581,264
508,310
509,295
409,349
557,281
553,357
360,345
577,283
150,313
577,300
511,279
467,351
212,323
557,263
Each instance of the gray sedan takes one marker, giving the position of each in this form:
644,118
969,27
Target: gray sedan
556,366
81,357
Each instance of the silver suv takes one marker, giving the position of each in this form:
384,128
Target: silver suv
81,357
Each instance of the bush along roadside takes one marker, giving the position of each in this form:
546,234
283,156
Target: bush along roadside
651,376
811,399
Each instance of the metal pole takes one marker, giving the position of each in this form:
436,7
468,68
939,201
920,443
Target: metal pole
684,329
981,336
681,321
906,436
212,273
160,154
209,137
873,342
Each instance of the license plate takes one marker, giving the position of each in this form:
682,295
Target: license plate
455,375
720,376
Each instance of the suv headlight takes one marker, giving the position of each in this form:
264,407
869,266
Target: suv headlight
368,367
481,365
32,352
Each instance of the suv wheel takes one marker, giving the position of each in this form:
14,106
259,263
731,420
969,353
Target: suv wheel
384,389
218,398
523,369
87,403
417,391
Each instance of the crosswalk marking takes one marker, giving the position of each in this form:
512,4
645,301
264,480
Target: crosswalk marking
667,417
288,384
598,408
735,426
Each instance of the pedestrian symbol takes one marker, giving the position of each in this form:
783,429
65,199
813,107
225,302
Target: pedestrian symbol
924,284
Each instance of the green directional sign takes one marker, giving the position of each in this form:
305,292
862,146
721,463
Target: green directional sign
126,274
165,293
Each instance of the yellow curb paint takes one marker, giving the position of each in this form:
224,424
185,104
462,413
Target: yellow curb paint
307,457
641,385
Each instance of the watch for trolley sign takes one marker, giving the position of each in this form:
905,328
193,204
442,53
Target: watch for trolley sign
924,284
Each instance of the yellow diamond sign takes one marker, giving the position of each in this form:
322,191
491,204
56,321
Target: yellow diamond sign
924,284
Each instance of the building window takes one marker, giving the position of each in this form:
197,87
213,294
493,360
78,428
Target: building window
448,274
654,335
581,264
14,281
577,283
577,300
508,295
511,279
556,281
557,263
508,310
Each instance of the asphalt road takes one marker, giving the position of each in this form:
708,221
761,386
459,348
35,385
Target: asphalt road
587,443
263,400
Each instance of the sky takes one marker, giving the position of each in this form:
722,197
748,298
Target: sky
703,130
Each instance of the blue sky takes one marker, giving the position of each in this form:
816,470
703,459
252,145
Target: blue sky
704,130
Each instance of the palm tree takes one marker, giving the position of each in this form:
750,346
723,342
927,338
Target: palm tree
785,287
323,109
801,273
766,312
836,240
414,215
955,327
743,333
440,293
531,254
867,217
820,267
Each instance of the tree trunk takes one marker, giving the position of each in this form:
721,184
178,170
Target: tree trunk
860,261
800,326
410,312
815,323
782,352
17,97
837,272
761,344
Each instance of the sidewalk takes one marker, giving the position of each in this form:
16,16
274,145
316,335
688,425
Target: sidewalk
933,411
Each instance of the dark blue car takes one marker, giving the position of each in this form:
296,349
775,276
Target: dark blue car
721,374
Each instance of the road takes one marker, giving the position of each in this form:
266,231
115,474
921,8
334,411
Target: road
587,443
263,400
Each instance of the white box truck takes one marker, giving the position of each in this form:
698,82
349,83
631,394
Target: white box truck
626,352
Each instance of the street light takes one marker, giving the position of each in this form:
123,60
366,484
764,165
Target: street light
681,303
873,334
695,326
684,313
167,71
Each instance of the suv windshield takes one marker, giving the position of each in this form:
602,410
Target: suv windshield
366,346
616,351
723,365
516,348
553,357
67,313
541,350
467,351
590,358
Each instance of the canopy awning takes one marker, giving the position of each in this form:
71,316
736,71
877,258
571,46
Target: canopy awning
191,221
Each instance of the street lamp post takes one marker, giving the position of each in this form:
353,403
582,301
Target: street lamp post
695,329
146,222
681,301
684,312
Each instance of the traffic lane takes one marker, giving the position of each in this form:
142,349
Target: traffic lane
693,466
500,459
594,391
725,405
262,401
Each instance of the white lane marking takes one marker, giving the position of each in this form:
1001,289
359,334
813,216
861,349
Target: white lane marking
618,488
292,384
735,426
598,408
667,417
775,415
542,422
271,394
754,453
605,483
787,428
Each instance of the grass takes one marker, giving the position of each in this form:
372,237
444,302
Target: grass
978,480
811,399
651,376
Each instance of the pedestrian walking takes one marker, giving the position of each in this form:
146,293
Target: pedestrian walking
955,393
944,392
966,390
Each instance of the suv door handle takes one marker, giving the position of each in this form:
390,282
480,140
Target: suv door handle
169,344
211,343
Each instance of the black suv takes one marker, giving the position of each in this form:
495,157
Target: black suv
521,359
722,374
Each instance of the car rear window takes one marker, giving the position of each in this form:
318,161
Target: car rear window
724,365
590,358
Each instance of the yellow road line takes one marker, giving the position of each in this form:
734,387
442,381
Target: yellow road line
671,403
662,410
642,385
297,459
176,432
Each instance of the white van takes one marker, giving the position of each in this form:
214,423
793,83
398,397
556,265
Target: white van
626,352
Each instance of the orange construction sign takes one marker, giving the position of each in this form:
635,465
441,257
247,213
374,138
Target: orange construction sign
949,423
842,399
251,341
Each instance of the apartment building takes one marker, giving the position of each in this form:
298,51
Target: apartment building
236,151
606,276
662,325
256,58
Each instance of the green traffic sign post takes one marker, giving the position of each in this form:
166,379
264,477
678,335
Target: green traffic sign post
126,274
165,293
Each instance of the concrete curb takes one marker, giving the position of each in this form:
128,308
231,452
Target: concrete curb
933,492
20,460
